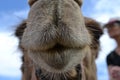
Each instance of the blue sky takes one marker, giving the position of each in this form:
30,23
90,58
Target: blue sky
14,5
12,12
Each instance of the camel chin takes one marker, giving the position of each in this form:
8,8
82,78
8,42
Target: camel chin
58,61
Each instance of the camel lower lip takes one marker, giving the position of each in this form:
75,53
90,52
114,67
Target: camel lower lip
58,60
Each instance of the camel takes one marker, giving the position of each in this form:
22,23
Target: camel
89,63
57,45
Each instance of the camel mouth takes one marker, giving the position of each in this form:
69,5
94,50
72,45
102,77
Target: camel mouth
59,58
58,55
59,48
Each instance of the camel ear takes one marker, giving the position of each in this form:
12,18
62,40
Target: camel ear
20,29
79,2
31,2
94,27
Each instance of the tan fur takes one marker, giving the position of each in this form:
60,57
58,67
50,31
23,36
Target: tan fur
56,39
59,24
27,66
88,66
89,61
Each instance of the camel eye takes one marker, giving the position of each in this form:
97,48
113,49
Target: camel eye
31,2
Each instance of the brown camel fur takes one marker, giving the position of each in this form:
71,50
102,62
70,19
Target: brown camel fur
56,38
89,61
57,42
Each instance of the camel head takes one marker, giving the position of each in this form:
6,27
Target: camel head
55,37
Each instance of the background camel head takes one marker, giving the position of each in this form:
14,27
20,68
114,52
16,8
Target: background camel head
55,37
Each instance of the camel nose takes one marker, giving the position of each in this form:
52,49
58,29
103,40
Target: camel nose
55,23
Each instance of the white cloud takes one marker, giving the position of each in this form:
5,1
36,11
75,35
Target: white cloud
21,14
10,56
107,45
107,5
106,9
11,19
102,71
